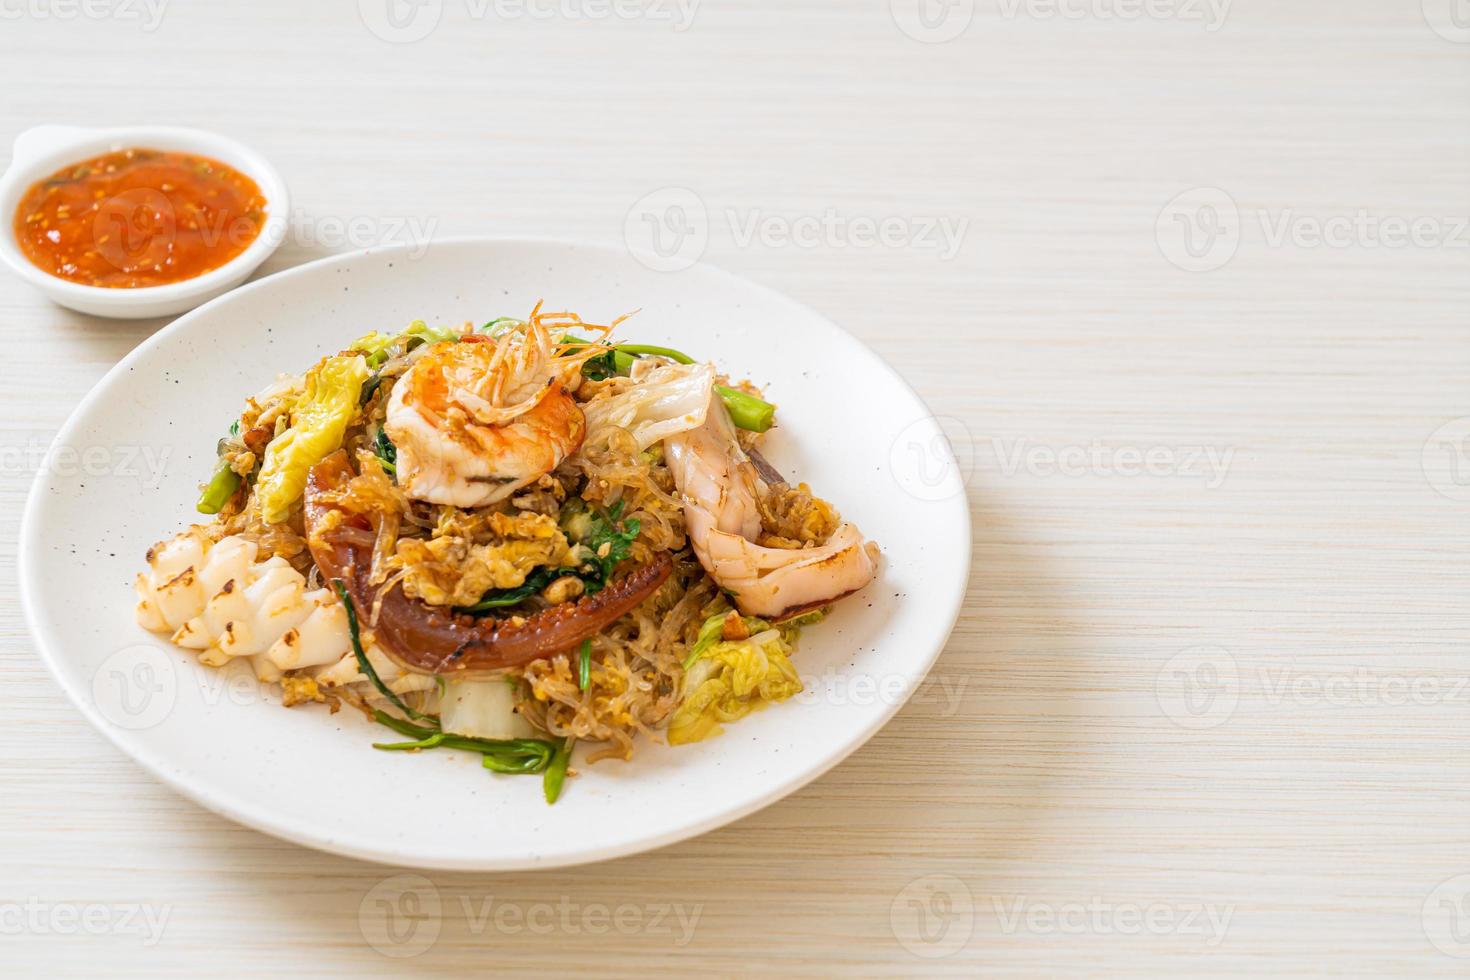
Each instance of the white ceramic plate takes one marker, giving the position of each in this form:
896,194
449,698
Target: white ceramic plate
124,473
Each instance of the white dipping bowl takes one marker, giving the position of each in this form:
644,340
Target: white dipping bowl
40,152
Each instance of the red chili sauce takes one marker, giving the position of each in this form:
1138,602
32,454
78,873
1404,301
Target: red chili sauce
139,218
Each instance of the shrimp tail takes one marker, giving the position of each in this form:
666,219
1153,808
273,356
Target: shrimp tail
433,640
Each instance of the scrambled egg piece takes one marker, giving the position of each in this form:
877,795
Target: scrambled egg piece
301,688
470,554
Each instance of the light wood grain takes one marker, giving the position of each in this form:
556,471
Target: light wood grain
1043,770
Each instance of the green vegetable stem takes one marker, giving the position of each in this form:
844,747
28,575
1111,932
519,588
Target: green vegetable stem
556,771
221,487
747,411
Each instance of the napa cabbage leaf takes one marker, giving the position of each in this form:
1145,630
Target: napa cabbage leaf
730,679
318,421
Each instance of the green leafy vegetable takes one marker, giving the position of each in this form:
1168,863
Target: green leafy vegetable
386,452
370,388
363,665
609,543
510,755
502,598
556,772
601,367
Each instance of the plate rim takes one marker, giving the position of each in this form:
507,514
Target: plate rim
249,814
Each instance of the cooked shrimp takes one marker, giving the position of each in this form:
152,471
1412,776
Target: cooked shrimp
721,492
477,419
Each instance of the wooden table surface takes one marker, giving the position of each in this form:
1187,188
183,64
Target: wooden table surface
1187,282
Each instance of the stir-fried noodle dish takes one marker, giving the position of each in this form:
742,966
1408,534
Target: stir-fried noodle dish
505,540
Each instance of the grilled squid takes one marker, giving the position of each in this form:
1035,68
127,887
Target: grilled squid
432,639
720,485
215,598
